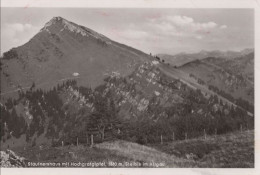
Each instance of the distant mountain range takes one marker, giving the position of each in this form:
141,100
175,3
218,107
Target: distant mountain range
182,58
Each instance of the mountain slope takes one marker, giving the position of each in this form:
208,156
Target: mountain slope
232,76
242,65
63,49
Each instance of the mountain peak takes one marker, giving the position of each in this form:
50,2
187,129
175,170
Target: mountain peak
61,24
54,20
57,18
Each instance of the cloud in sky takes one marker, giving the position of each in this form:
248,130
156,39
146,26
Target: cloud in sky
17,27
165,34
188,22
134,34
182,26
223,27
165,31
15,30
17,34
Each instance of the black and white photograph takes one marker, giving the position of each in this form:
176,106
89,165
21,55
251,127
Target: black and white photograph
127,87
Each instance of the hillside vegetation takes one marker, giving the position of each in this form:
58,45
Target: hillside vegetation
233,150
140,108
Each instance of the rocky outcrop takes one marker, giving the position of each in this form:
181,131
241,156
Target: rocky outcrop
10,159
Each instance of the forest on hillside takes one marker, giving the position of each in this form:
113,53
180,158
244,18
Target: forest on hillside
60,120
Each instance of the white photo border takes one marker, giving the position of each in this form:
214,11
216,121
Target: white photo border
252,4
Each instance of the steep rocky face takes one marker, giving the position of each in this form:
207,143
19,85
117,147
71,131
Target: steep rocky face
63,49
143,91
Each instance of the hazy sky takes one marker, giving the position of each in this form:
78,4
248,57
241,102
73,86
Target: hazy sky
150,30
